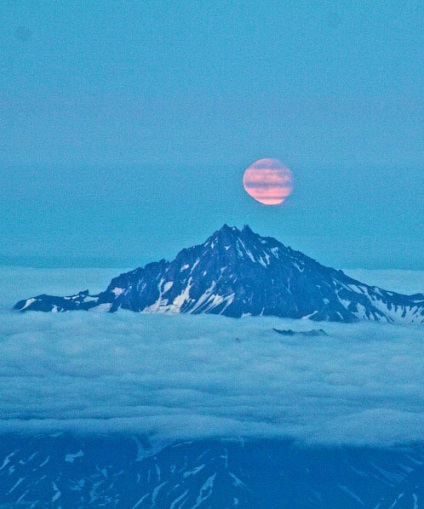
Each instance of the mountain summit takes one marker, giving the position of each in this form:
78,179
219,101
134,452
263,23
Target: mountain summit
237,273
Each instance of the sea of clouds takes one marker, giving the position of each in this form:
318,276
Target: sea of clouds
188,377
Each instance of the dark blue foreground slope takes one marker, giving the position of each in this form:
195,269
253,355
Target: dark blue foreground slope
76,473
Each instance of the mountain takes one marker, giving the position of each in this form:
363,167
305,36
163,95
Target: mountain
62,470
237,273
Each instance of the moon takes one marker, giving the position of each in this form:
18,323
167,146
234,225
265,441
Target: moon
268,181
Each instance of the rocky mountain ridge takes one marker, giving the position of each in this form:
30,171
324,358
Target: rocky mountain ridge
237,273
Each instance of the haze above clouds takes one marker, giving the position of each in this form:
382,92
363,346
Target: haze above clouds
165,105
173,377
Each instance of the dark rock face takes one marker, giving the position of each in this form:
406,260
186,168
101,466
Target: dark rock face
309,333
237,273
118,472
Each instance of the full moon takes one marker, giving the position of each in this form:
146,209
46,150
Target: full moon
268,181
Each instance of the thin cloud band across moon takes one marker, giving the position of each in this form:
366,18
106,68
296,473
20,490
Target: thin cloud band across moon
268,181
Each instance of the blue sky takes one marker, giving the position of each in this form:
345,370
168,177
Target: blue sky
125,127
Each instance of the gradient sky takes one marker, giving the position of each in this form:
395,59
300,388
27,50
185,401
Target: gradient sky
126,127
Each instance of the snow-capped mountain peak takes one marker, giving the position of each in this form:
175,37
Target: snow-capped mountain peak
237,273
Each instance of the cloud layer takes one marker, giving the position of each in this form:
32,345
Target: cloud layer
202,376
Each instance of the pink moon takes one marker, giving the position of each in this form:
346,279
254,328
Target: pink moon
268,181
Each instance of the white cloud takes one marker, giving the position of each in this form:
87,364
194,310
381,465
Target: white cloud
189,377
